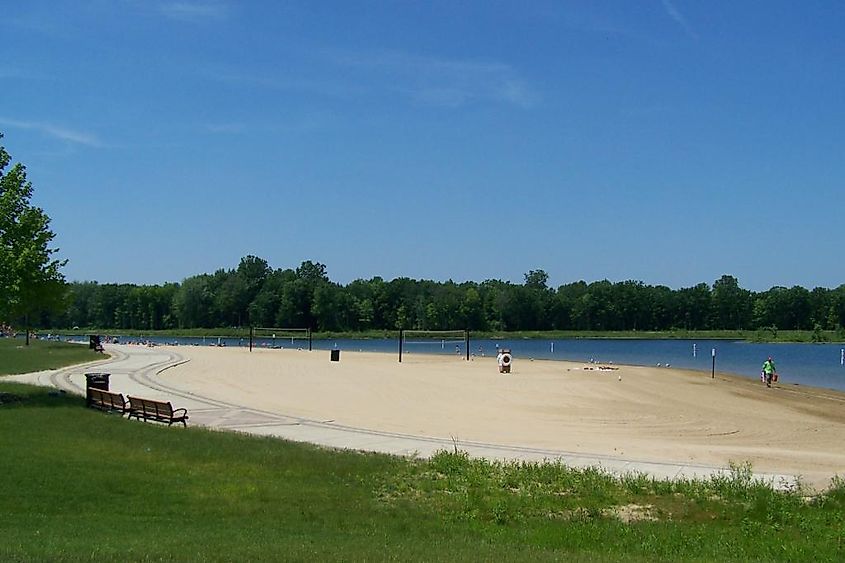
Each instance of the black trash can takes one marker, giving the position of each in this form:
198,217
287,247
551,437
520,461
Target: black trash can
335,355
95,381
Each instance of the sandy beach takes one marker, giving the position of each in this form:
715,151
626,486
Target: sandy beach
640,413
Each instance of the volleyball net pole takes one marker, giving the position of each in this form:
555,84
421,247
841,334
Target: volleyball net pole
466,342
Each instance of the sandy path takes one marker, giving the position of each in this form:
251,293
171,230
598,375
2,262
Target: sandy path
652,414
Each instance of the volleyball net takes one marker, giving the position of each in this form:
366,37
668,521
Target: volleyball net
434,342
280,337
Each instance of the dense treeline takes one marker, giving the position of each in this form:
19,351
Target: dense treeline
258,295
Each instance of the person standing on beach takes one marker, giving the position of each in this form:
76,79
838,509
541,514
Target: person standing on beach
769,371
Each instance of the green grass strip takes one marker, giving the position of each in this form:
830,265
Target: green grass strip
17,357
80,485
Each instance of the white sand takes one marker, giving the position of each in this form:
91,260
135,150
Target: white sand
652,414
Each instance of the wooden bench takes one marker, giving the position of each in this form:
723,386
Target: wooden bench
106,401
157,411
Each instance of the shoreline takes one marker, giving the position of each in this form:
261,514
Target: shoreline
808,365
787,336
633,412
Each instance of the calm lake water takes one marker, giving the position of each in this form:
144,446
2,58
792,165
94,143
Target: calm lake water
818,365
807,364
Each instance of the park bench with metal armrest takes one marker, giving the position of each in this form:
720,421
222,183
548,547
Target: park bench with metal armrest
157,411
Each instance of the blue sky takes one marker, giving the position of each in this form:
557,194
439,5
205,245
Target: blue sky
664,141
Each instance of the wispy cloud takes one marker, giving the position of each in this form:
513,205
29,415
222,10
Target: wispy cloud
439,81
55,131
35,20
196,11
17,73
347,75
673,13
224,128
273,80
9,73
298,123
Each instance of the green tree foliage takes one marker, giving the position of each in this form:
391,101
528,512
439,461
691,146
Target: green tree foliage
536,279
255,294
732,306
31,282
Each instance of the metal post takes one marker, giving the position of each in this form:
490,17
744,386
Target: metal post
466,340
309,339
401,333
251,333
713,373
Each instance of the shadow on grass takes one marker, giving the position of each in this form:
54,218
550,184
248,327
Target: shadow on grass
21,395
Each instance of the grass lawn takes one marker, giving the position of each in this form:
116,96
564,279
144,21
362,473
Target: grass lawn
17,357
78,484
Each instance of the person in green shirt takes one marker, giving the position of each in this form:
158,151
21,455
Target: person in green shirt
769,371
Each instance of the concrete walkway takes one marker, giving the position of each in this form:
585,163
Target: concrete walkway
136,370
